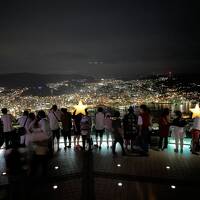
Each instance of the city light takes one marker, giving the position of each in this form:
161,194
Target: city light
112,93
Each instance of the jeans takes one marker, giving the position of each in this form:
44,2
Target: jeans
84,139
8,139
108,133
121,142
66,135
161,142
56,134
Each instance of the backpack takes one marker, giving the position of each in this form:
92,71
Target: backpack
85,123
130,123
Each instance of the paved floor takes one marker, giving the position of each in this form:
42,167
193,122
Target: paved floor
98,175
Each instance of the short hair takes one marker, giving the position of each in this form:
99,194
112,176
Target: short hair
31,115
41,114
178,113
100,109
54,107
165,112
130,109
64,110
25,113
117,114
4,110
144,107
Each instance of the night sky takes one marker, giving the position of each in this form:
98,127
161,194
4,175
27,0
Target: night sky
99,38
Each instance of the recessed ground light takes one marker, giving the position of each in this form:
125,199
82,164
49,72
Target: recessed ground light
120,184
173,186
55,187
118,165
168,167
56,167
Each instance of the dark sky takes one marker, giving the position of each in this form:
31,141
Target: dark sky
99,37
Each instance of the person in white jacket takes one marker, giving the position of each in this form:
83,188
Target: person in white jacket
23,122
54,117
108,128
41,134
8,129
99,126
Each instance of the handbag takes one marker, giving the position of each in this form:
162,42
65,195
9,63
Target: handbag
22,129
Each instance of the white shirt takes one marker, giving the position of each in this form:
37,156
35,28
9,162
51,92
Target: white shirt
44,125
84,120
7,123
42,147
196,123
23,121
54,118
99,121
31,126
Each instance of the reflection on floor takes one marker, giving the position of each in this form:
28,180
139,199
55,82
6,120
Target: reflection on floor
73,174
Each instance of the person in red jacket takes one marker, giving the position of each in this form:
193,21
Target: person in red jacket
164,125
144,122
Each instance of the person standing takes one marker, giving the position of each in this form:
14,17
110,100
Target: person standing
164,125
1,134
195,132
77,129
130,128
23,122
30,122
45,127
8,130
99,126
86,124
108,128
39,157
66,119
178,132
54,119
144,122
117,133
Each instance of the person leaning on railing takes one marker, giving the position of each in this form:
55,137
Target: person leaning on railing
195,132
178,132
8,129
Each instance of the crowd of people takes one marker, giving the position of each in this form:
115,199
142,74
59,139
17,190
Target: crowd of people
41,132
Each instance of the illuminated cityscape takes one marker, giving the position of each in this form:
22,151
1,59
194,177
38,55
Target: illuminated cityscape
99,100
106,92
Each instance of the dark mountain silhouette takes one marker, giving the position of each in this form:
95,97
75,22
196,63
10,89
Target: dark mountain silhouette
13,80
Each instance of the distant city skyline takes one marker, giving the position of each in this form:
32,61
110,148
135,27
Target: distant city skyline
99,38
